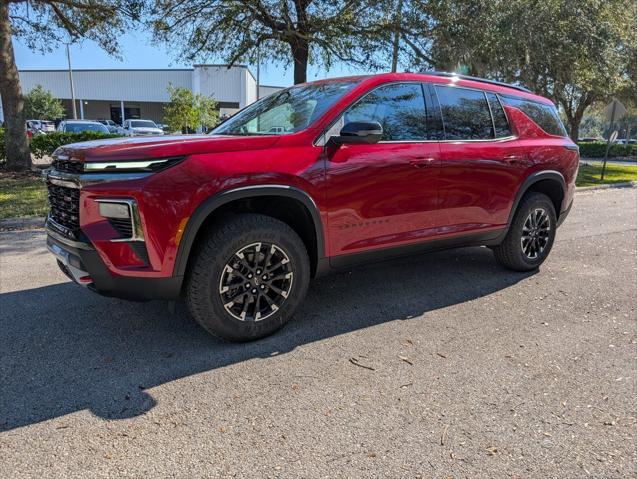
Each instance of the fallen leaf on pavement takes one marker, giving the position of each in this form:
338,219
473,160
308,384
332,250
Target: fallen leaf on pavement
355,362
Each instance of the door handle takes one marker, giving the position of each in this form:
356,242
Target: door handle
422,161
512,159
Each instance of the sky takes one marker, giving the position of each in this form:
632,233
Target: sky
138,51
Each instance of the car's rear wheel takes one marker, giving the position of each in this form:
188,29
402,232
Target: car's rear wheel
249,275
531,234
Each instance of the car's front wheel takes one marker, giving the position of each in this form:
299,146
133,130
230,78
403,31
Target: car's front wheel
531,234
249,275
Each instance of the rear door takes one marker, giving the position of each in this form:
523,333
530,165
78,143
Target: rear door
382,195
482,164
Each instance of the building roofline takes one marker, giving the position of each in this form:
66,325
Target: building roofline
236,65
135,69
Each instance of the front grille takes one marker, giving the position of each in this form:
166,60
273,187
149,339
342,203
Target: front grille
67,166
65,206
123,226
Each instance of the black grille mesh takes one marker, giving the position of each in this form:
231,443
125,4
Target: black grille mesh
67,166
123,226
65,206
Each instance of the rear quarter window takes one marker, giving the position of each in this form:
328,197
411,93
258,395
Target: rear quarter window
545,116
500,122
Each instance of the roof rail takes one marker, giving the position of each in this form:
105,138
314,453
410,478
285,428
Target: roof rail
482,80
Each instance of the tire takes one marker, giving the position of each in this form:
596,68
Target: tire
519,255
217,292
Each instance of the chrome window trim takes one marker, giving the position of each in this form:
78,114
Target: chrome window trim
136,223
320,141
490,140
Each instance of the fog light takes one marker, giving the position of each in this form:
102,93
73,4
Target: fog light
114,210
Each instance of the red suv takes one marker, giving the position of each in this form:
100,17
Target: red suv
315,177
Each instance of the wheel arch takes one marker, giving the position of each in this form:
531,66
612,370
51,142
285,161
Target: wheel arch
207,209
549,182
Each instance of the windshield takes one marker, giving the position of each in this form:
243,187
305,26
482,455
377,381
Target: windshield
286,111
142,124
80,127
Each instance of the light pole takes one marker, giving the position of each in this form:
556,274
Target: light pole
258,70
68,57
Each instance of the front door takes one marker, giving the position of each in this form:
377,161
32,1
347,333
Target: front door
381,195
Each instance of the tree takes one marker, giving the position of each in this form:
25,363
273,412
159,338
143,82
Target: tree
187,111
15,132
42,25
297,32
40,104
575,52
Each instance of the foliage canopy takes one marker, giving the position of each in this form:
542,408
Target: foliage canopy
40,104
189,111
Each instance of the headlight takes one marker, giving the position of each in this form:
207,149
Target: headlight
132,166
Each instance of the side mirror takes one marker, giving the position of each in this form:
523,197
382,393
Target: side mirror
358,132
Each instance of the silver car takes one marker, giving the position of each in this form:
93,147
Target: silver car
110,124
141,128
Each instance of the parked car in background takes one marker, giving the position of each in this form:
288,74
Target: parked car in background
140,128
317,177
590,139
41,126
79,126
110,124
626,141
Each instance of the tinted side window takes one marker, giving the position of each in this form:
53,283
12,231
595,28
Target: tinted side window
399,108
465,114
544,115
500,121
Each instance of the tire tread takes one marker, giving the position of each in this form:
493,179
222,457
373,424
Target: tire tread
207,257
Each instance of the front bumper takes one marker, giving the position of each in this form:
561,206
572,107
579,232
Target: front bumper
81,262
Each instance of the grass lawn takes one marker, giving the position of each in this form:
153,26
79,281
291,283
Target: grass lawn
589,174
22,194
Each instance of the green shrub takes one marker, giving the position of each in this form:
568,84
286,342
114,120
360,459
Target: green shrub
43,145
597,149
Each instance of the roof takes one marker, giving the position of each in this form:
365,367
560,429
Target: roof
483,80
447,79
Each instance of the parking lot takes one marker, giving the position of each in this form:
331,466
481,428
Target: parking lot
442,365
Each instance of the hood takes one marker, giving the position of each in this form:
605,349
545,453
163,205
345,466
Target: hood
136,147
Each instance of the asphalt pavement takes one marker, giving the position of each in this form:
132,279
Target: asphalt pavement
441,365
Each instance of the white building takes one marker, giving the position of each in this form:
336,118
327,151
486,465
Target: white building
124,94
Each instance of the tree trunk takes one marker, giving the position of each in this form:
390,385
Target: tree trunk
16,143
300,53
574,130
396,42
575,120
